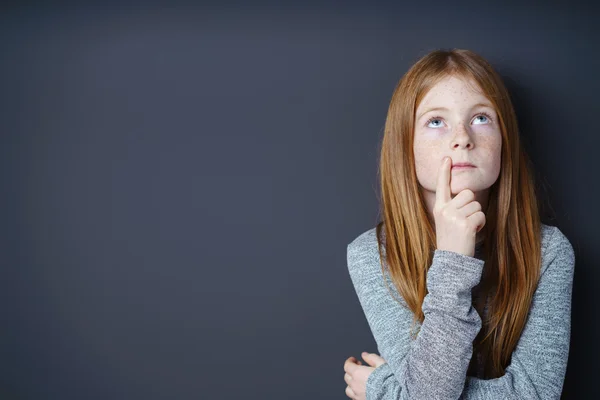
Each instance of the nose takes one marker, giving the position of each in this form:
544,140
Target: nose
461,137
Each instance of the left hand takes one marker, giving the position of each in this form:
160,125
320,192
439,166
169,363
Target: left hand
356,374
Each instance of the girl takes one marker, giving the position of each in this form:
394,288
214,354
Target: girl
467,293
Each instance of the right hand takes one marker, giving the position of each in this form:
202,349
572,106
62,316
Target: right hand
458,219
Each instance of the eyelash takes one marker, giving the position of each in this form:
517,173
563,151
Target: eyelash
438,117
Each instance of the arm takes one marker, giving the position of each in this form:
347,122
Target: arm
434,365
539,360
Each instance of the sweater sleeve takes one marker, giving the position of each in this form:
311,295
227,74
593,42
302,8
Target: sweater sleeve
434,365
538,363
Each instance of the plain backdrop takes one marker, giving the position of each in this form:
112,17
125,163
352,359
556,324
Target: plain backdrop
180,181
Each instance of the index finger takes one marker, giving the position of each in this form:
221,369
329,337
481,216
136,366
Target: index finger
442,191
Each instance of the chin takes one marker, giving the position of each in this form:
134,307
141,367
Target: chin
456,190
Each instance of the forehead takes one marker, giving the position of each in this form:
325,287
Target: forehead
453,90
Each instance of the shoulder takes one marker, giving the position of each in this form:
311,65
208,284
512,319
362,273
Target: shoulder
556,246
363,252
364,242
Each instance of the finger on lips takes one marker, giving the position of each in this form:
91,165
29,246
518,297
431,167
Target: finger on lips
442,193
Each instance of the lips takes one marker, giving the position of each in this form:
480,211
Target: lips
462,164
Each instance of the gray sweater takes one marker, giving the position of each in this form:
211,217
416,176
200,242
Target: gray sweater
434,365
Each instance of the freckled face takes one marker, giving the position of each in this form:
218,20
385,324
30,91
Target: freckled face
463,130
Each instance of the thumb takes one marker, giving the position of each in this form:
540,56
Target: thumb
373,359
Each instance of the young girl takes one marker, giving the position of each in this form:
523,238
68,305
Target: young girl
467,293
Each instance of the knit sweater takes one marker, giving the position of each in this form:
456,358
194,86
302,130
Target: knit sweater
435,364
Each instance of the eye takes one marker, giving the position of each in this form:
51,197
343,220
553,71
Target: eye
432,119
483,114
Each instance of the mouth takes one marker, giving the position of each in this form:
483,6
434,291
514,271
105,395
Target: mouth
463,165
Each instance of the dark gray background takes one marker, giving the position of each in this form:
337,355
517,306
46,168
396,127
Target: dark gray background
179,185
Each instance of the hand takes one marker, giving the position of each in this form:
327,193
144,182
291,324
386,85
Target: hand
458,219
356,375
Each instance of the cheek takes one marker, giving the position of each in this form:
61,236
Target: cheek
425,155
493,155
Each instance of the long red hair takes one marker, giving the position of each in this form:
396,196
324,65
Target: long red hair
512,235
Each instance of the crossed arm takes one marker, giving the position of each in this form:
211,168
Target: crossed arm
434,365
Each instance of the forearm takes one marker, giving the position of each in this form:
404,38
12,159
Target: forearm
436,364
433,365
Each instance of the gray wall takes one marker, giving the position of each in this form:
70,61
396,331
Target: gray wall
179,185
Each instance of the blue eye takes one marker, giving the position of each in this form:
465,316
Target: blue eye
485,115
430,120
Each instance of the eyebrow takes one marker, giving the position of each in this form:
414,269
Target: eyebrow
488,105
